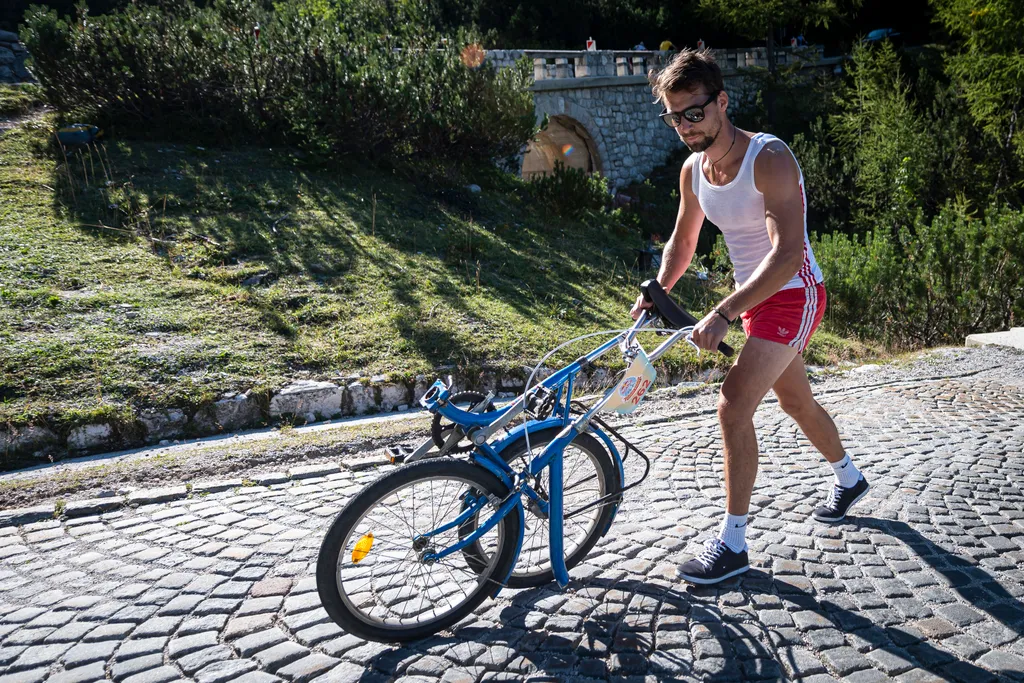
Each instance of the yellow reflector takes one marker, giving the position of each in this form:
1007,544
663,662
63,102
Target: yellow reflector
362,548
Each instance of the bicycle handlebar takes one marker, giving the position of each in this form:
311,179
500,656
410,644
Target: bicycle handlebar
671,312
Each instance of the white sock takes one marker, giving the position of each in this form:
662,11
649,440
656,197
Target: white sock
847,473
734,532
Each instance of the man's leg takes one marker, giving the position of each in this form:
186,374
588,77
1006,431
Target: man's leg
757,368
796,399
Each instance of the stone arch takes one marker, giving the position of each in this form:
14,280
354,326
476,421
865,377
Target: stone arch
567,129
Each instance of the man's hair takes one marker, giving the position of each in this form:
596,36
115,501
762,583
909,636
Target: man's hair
688,70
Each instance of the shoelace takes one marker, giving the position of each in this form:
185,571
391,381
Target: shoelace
713,548
833,497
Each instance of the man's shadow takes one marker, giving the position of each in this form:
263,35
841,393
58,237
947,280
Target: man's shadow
627,636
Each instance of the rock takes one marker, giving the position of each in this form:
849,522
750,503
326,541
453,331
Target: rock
360,398
711,375
473,188
8,37
161,424
90,436
865,369
91,506
307,396
20,70
237,411
511,383
20,516
259,279
6,75
420,388
392,396
26,439
161,495
6,56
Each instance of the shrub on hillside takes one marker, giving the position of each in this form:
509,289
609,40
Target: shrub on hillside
933,284
569,192
368,81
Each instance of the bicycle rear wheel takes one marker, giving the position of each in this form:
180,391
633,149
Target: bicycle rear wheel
377,587
589,474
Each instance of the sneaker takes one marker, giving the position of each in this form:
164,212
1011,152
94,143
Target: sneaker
840,500
716,563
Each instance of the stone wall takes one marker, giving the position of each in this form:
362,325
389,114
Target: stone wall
623,123
12,59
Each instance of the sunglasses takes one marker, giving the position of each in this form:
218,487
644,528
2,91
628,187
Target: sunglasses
693,114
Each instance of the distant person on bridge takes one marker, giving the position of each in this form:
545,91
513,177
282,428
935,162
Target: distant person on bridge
751,187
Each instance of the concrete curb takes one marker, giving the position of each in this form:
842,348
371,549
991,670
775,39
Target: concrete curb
61,509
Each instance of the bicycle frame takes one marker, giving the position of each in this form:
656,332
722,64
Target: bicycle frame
479,427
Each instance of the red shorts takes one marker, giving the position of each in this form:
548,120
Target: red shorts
787,317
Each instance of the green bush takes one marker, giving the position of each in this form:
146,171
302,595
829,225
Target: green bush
352,78
569,192
934,283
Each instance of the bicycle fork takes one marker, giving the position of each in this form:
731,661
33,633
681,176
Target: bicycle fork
556,511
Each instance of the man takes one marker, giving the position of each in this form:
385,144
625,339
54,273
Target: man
751,187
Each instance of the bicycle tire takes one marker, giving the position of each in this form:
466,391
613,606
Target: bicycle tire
340,607
532,576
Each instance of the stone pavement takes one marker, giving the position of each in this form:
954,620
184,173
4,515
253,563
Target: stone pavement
925,583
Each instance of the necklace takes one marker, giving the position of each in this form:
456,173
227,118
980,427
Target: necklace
730,147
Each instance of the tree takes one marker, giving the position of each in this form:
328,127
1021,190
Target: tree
761,18
989,68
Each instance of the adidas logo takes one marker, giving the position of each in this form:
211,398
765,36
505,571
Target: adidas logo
783,331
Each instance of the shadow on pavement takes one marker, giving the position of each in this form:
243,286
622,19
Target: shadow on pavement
974,584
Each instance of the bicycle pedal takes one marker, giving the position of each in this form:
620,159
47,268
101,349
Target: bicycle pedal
398,454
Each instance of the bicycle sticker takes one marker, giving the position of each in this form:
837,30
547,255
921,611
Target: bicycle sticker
633,386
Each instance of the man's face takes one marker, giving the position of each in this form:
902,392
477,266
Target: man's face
697,136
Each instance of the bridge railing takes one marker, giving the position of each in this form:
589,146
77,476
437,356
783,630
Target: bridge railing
558,64
551,64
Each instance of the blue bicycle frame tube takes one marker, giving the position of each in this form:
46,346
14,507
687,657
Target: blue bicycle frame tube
474,507
552,458
492,521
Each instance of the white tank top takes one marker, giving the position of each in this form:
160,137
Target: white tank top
738,210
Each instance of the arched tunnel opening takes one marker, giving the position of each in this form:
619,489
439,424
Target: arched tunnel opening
566,140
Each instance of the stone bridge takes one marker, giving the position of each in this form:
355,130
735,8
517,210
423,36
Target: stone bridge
600,111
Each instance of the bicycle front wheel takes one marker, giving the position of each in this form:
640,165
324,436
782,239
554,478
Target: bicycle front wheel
371,573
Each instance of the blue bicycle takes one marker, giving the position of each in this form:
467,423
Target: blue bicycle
420,548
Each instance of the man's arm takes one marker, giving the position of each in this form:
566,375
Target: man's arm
679,249
777,177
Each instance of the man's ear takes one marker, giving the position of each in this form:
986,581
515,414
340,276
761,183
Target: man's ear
723,100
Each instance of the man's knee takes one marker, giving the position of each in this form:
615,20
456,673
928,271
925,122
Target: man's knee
731,412
796,405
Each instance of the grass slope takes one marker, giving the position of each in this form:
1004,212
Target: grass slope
230,269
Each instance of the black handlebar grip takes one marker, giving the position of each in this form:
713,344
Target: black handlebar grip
671,312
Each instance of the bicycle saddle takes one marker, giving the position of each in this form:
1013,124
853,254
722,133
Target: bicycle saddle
671,312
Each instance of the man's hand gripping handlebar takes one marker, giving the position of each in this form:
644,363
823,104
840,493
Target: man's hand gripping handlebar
668,310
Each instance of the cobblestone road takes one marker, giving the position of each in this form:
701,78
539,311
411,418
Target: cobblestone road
925,583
